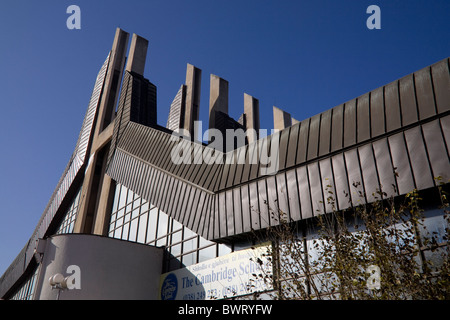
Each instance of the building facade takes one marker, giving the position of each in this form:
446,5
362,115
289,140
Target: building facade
144,211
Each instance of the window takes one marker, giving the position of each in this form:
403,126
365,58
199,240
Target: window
132,220
26,291
68,220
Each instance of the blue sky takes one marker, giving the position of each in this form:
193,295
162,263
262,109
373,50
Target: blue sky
301,56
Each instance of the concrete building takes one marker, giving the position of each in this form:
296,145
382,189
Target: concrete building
126,221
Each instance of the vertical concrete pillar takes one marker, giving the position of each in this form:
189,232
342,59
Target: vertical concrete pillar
218,98
192,100
112,81
137,55
102,217
251,111
88,196
281,119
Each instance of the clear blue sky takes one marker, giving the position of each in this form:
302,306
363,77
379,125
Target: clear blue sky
302,56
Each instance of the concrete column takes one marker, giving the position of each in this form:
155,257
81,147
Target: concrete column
112,81
281,119
104,207
137,55
251,111
218,98
88,194
192,101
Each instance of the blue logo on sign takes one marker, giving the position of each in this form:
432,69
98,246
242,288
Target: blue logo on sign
169,287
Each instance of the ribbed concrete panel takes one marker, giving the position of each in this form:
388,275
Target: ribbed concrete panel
293,195
292,145
384,167
124,168
200,205
225,174
246,213
377,116
283,148
363,118
440,163
355,181
205,220
445,125
210,169
223,216
325,133
328,184
337,129
255,212
302,141
272,165
408,100
192,207
424,93
251,157
229,213
313,139
272,200
342,195
315,185
392,106
178,214
283,202
400,160
228,171
350,123
369,173
263,199
240,158
304,191
419,161
169,189
441,82
196,166
253,168
259,168
237,210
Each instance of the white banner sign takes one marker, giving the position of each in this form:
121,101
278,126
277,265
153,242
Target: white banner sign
235,274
